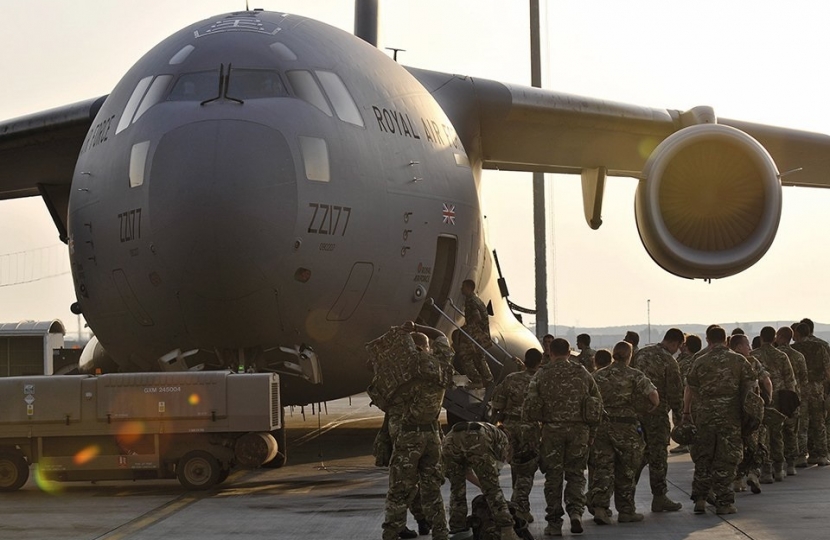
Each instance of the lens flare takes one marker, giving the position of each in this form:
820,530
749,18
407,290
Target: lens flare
194,399
86,455
44,484
130,432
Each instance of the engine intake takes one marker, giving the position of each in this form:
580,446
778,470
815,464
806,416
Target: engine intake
709,203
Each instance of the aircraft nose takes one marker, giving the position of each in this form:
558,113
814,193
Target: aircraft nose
223,204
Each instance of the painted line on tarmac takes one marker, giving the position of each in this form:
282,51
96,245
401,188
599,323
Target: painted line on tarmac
160,513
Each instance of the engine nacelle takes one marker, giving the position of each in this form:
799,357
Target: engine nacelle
710,202
95,360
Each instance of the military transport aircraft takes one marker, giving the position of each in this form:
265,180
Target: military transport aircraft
262,189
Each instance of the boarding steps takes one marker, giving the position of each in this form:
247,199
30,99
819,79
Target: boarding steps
465,404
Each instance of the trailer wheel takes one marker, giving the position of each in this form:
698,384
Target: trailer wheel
14,471
198,470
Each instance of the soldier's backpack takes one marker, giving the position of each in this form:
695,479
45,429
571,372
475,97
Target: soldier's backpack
483,523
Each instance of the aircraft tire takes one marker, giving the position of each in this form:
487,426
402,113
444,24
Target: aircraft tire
14,471
198,470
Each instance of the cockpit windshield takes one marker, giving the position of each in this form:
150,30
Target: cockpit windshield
197,86
255,83
242,84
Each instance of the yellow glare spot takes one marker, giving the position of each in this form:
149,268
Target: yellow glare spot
130,432
194,399
647,146
86,455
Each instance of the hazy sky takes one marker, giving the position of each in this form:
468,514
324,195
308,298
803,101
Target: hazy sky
760,61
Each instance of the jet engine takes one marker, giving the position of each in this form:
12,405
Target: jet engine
709,203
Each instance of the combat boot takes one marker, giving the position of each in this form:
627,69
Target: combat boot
790,469
822,462
753,483
700,506
633,517
601,516
527,516
661,503
576,523
406,532
726,509
554,529
507,533
766,474
800,462
464,534
739,484
778,472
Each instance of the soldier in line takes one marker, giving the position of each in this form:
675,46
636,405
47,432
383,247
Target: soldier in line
813,337
477,448
781,375
795,428
714,388
688,352
413,425
633,338
477,325
546,341
507,401
756,451
658,364
818,374
564,398
618,447
601,359
586,353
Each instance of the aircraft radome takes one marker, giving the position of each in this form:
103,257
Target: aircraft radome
260,183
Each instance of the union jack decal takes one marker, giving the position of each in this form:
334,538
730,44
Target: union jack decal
449,213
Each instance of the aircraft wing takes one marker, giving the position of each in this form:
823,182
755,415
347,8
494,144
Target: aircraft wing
38,154
513,127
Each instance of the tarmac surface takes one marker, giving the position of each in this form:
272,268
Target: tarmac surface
330,488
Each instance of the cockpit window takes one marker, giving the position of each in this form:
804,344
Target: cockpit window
306,89
255,83
154,94
197,86
340,97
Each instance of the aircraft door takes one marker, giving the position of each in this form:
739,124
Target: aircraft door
443,270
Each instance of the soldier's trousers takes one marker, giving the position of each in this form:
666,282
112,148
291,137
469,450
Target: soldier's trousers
475,366
756,452
617,454
775,438
716,453
790,434
657,432
803,428
816,430
524,440
456,463
564,454
415,463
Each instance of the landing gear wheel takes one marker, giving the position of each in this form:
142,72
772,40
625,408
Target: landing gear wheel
198,470
14,471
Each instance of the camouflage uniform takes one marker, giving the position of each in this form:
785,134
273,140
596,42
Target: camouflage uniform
684,364
661,368
477,446
756,448
507,401
826,346
782,377
617,452
818,363
555,397
413,410
795,428
717,380
477,325
586,359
